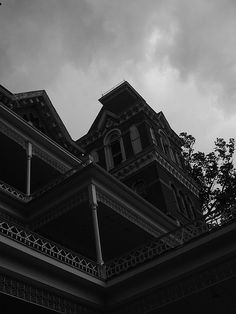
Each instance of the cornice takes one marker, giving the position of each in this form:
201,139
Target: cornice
20,100
149,156
185,286
95,135
125,115
44,218
41,297
128,214
181,289
36,137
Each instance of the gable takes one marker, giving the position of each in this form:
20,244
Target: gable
36,108
105,119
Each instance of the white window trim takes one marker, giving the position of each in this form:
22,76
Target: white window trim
107,147
135,139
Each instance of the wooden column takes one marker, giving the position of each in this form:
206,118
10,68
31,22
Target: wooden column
93,206
28,169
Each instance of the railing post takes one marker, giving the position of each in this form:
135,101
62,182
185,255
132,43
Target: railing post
28,171
93,206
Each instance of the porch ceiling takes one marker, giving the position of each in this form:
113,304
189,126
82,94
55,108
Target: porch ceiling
109,192
74,230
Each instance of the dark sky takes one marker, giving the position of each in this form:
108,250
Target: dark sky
179,55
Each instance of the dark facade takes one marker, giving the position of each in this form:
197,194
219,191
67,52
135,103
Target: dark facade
109,223
138,146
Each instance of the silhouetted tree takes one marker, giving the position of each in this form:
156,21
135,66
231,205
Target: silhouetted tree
214,172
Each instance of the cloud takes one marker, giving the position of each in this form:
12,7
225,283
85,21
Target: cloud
180,54
204,47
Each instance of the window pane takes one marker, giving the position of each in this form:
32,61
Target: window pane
117,159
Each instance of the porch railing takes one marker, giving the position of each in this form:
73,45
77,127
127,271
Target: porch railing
49,248
167,242
126,262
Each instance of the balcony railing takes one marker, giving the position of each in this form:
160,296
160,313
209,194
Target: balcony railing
167,242
14,192
121,264
49,248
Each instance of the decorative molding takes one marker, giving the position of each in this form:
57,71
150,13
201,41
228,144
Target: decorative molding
39,152
143,304
181,289
41,297
146,159
176,173
49,248
96,134
167,242
12,134
14,192
125,212
131,167
50,160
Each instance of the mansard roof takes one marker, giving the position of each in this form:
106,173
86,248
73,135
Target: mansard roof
119,104
36,108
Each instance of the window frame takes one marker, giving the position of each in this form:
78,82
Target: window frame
108,149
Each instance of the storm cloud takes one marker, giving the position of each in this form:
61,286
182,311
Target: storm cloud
77,49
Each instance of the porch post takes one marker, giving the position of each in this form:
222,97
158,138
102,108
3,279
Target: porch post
94,205
28,171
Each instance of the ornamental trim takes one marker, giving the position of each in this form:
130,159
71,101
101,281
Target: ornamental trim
128,214
41,297
66,206
177,291
49,248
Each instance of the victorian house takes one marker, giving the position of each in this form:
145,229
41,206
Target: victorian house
109,223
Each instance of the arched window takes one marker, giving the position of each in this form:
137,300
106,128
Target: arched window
135,139
114,149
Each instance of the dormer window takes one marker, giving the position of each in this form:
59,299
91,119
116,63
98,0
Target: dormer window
135,139
114,149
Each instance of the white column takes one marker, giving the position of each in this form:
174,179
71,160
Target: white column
28,169
94,205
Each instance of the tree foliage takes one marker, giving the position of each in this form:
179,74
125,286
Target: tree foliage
214,172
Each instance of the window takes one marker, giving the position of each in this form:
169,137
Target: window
165,143
154,141
172,154
114,149
135,139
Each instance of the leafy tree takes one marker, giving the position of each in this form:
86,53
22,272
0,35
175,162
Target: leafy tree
214,172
